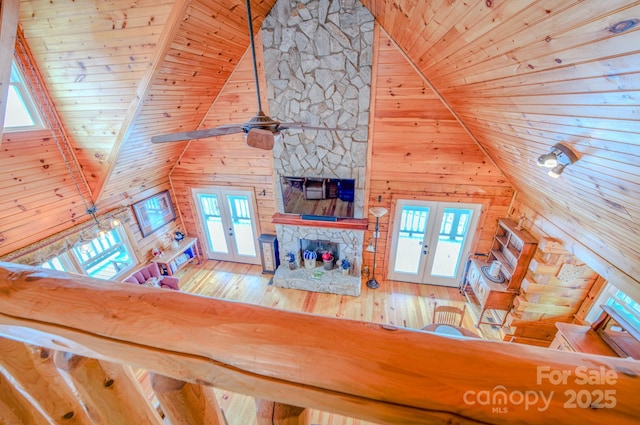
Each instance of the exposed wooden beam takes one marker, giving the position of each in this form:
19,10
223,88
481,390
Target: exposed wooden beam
9,11
164,44
375,372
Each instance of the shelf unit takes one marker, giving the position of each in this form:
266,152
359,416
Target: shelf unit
175,259
514,248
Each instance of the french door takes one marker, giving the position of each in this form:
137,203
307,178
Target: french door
431,241
227,220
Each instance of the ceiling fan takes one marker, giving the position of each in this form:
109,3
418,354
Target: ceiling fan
259,130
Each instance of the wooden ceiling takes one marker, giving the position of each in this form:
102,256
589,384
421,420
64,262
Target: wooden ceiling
519,75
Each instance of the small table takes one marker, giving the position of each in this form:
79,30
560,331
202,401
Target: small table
449,330
170,263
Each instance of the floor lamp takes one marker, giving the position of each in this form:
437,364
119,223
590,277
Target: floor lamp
377,212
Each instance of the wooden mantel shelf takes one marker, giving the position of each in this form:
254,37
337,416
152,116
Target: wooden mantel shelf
342,223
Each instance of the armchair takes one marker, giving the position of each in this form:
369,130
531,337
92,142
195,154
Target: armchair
151,272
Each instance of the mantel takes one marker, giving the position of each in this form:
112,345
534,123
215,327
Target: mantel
342,223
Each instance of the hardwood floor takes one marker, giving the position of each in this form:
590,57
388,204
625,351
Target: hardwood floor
394,303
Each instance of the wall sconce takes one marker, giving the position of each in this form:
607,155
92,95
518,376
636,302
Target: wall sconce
377,212
559,157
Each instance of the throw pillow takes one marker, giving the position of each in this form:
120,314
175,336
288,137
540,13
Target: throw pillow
152,281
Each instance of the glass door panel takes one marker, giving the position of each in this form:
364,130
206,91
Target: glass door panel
430,241
242,224
226,218
411,228
450,245
213,227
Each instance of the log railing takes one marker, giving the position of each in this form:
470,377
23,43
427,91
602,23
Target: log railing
191,343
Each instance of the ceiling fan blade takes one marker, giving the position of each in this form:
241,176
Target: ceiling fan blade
260,138
303,126
199,134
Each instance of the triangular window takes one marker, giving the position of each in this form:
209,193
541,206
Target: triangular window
21,113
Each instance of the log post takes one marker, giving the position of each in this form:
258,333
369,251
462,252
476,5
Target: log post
34,375
272,413
109,391
185,403
15,409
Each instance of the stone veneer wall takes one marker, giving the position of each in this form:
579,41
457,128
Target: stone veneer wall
318,57
349,241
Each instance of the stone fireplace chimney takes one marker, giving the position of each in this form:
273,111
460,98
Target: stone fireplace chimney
318,58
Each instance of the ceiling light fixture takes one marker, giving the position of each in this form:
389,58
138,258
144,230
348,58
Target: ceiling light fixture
559,157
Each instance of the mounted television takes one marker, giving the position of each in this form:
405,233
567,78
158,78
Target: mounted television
318,197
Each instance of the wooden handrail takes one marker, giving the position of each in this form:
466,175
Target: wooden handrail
375,372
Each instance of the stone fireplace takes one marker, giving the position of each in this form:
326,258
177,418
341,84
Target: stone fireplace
318,57
349,243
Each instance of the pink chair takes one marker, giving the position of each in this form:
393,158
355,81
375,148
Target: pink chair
148,273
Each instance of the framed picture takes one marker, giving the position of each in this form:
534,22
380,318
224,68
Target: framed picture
154,212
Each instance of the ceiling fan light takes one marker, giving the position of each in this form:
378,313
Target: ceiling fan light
556,171
548,160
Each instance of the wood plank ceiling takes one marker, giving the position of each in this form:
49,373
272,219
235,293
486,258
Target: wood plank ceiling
520,75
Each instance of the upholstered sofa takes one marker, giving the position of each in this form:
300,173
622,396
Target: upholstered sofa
150,275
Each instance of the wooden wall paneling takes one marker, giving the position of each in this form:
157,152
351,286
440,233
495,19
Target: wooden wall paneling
143,89
436,159
189,79
227,160
543,34
534,75
90,48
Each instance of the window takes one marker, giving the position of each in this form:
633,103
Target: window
619,301
21,113
105,257
55,264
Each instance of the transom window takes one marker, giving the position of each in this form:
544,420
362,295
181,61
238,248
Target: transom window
21,113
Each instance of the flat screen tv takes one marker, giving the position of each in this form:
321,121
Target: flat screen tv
317,196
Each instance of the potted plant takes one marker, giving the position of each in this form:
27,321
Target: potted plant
327,260
291,258
345,265
310,259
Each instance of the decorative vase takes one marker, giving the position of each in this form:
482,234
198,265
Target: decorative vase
310,259
327,264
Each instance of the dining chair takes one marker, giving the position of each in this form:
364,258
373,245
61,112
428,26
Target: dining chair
448,315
